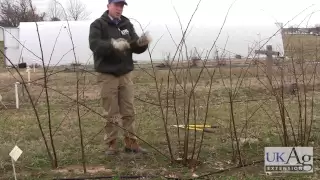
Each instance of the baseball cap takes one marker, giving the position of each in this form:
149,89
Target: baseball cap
116,1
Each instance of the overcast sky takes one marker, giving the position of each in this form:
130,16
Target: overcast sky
210,13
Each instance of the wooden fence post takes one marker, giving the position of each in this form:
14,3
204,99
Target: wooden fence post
269,62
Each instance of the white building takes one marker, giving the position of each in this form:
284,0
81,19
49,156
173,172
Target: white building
9,37
22,43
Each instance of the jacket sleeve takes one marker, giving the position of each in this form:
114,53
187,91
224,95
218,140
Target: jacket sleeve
134,46
96,43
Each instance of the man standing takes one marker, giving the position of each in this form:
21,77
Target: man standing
113,40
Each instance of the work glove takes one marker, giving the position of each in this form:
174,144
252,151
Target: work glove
120,44
144,39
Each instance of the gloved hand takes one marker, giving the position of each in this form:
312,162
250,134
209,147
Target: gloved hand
145,39
120,44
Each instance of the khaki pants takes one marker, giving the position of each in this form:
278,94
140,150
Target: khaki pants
117,95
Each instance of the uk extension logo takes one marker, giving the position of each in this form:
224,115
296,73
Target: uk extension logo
125,32
288,160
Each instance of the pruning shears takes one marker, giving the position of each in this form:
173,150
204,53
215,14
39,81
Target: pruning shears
205,128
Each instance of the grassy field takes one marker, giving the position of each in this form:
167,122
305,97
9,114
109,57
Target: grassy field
255,111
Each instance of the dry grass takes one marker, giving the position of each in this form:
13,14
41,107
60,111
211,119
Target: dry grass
253,103
302,46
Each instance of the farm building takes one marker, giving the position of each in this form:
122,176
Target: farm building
22,43
9,46
59,46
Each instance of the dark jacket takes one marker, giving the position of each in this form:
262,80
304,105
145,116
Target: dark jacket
106,58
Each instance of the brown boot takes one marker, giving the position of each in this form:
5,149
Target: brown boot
112,148
131,145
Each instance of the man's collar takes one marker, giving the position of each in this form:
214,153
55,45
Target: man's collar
113,18
105,16
115,21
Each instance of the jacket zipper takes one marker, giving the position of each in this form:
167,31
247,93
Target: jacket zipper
120,36
119,30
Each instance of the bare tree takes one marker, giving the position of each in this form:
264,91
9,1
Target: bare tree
76,10
55,11
12,12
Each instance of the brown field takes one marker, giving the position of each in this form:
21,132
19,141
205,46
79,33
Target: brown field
255,111
302,46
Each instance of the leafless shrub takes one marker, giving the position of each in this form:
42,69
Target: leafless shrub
55,12
12,12
76,10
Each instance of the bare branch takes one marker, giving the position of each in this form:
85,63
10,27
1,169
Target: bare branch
55,12
12,12
76,10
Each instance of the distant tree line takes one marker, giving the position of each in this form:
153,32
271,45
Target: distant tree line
298,30
12,12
